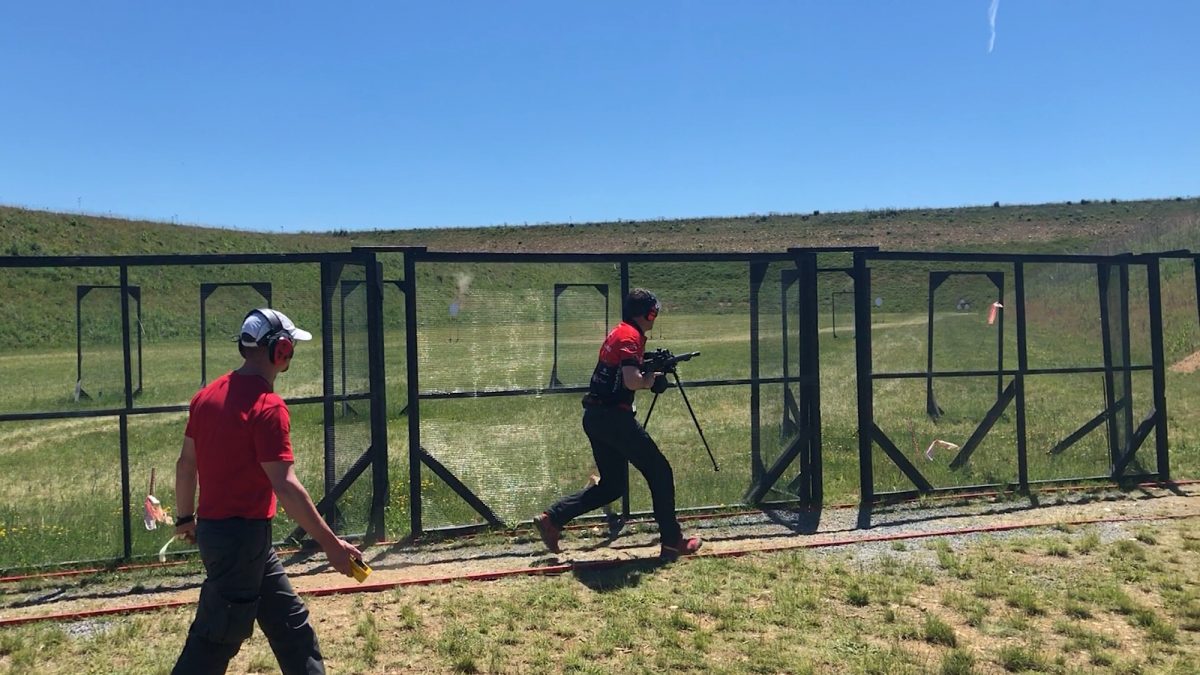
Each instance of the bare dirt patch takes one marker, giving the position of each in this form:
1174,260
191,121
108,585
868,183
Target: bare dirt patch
1188,364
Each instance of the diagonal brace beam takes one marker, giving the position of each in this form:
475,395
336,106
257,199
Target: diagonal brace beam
989,420
1135,442
898,458
755,494
459,487
352,474
1086,429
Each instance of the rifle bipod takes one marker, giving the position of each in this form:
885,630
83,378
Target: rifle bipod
695,421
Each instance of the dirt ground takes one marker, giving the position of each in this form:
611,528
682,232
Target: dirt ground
499,554
1189,364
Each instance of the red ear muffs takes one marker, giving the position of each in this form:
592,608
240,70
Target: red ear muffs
280,348
277,341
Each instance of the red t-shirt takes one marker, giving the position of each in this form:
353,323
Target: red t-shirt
237,423
624,346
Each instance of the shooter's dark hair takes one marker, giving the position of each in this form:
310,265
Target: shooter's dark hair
639,302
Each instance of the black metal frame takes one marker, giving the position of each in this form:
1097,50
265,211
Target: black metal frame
805,408
807,446
348,286
206,289
833,296
790,424
804,450
81,291
807,485
936,279
558,291
1014,394
375,456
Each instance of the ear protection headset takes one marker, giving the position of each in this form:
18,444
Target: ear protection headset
277,340
647,306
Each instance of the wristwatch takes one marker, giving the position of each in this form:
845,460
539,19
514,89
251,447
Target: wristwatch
184,520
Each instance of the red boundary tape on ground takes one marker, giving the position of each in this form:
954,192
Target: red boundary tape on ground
685,517
597,564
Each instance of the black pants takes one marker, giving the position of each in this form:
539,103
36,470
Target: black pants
618,441
246,582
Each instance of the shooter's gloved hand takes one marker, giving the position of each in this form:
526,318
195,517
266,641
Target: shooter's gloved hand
660,384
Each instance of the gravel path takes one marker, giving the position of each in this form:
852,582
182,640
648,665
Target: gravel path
840,531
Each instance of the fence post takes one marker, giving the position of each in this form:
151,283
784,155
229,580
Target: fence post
126,528
414,390
810,378
1161,447
758,272
376,529
1019,378
862,357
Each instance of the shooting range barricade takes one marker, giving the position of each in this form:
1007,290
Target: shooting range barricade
485,397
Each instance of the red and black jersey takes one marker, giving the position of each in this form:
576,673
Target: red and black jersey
624,346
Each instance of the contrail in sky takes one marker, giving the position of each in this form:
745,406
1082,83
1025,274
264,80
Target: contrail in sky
992,21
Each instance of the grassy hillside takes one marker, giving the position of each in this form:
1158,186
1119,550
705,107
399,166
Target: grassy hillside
1096,226
1086,226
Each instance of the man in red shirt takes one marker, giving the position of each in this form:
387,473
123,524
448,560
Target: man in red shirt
617,438
238,446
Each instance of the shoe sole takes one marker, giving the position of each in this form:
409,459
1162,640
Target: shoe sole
539,524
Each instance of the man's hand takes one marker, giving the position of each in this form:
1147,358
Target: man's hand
299,506
339,552
660,383
187,532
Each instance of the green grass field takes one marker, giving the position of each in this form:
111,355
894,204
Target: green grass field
1070,600
61,496
61,500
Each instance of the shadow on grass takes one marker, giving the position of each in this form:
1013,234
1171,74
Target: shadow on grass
61,594
603,579
899,514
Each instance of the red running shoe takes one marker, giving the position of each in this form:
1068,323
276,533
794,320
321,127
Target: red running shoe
685,546
549,531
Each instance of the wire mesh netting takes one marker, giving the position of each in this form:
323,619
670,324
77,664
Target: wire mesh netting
581,320
1086,390
705,309
1181,344
223,307
779,356
839,396
494,336
50,513
490,328
1053,452
347,361
505,349
61,330
100,357
83,346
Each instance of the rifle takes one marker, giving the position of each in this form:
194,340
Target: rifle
663,361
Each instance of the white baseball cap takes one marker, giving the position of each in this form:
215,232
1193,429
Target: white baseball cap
258,324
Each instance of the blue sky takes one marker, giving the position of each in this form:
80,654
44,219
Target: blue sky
271,115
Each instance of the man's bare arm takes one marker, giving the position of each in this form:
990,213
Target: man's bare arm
185,489
300,507
635,379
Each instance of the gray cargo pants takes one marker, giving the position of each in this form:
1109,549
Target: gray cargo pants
246,582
